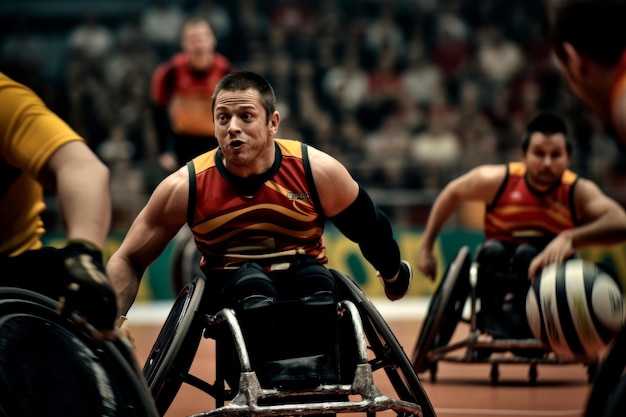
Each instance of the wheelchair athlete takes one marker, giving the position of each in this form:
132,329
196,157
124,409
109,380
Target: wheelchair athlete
537,212
38,150
257,208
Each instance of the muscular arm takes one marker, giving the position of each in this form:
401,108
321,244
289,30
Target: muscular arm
479,184
604,220
603,223
155,226
353,212
81,182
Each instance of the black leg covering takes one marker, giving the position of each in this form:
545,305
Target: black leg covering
502,288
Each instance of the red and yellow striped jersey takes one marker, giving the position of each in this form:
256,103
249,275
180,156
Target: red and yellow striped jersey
278,222
520,214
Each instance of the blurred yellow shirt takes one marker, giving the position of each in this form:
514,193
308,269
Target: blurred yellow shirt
29,134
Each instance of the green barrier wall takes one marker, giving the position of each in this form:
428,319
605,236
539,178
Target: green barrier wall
345,256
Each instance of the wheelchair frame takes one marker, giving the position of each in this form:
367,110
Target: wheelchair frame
446,310
607,397
20,307
172,355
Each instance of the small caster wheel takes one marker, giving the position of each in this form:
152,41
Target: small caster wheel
592,369
532,374
494,374
434,367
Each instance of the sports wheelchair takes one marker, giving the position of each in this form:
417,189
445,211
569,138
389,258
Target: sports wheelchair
607,397
51,365
365,345
449,305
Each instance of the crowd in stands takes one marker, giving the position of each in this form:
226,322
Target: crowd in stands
407,93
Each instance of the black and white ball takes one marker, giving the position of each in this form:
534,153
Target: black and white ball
576,308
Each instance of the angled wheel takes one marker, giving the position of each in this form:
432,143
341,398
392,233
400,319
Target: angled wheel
49,365
185,260
444,310
174,350
388,353
608,394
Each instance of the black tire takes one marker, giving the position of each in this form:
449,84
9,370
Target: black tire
616,403
444,311
388,353
184,261
176,345
75,375
607,397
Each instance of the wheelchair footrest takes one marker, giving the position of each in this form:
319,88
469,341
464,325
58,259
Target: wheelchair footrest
302,372
252,399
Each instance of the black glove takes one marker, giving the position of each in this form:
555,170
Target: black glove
398,286
88,290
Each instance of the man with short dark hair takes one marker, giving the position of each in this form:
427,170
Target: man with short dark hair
588,39
537,212
257,207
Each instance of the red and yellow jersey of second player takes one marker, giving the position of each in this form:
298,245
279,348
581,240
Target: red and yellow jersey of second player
187,94
273,226
520,214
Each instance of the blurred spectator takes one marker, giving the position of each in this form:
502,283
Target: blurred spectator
437,150
23,55
499,59
182,90
90,111
421,79
161,23
128,182
382,34
218,17
294,16
384,84
91,40
346,83
250,33
391,142
453,53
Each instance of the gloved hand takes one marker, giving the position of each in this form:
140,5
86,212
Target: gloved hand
88,290
397,287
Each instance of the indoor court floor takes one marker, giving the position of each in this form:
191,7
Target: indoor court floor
461,390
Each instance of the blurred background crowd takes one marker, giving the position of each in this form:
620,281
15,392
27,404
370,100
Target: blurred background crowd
407,93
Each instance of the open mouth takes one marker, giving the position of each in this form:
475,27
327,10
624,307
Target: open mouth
236,144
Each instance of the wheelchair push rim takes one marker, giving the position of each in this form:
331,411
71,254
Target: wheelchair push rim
389,354
76,375
445,309
174,349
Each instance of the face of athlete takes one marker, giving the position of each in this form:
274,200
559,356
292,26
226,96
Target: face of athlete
243,132
198,43
587,84
546,159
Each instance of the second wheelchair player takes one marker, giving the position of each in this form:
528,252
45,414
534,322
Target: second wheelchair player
257,206
537,212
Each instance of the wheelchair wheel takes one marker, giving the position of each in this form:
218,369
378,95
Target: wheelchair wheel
50,365
388,353
608,394
185,260
444,311
174,350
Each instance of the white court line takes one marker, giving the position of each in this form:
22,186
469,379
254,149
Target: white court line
410,308
534,413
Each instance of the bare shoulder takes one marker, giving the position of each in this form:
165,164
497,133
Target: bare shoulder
485,175
334,183
171,196
586,189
